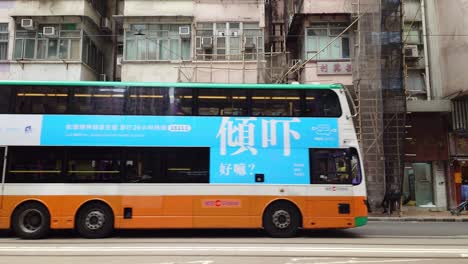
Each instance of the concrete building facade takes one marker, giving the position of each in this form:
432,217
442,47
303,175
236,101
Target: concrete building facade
55,40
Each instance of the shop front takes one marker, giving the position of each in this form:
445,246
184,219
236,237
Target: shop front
459,166
424,183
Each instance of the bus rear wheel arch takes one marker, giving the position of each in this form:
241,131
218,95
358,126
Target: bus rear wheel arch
31,220
94,219
282,218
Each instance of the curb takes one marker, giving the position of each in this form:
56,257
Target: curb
416,219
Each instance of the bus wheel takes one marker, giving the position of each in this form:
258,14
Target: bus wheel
95,220
281,219
31,221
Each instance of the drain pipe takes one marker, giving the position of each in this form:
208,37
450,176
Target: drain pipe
427,78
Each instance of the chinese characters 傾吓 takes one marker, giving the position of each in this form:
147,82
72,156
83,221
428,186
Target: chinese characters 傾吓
240,133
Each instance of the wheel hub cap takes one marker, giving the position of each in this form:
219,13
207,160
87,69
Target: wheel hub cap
95,220
281,219
31,220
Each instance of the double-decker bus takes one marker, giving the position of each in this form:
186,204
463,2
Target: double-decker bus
99,156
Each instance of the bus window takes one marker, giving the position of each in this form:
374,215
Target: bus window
98,100
330,166
41,100
147,101
34,165
94,165
356,174
5,99
187,165
167,165
222,102
322,103
275,103
180,101
142,165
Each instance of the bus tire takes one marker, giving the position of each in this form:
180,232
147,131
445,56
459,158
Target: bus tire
95,220
281,219
31,221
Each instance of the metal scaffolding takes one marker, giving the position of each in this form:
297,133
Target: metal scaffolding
379,95
368,95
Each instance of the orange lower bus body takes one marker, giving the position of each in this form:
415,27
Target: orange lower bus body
194,211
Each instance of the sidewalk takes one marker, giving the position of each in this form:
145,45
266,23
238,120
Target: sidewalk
419,216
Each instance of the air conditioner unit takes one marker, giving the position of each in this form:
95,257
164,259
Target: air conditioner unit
184,31
48,31
106,23
207,42
27,23
411,51
102,77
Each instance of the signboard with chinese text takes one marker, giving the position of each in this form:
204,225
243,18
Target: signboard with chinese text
334,67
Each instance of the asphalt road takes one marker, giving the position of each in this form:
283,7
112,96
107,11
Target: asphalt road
378,242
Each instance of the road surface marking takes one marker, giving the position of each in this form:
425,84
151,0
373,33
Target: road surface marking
356,261
458,251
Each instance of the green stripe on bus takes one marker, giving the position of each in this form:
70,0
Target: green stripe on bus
178,85
360,221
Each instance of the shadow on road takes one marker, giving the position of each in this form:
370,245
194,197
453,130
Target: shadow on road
197,233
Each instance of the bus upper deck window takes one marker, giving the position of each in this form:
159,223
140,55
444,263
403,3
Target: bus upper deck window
276,103
322,103
41,100
222,102
180,101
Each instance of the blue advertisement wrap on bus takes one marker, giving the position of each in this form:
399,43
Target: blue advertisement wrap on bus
240,147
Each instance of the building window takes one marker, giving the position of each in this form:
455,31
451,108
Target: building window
157,42
228,41
92,56
63,44
412,33
320,34
4,41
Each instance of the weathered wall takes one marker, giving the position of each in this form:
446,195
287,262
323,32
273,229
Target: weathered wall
203,72
440,184
453,41
326,6
55,8
46,72
159,7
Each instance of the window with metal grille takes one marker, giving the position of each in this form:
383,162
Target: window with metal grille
4,41
34,45
146,42
229,41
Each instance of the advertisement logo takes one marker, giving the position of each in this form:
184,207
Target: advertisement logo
324,130
221,203
179,128
28,130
